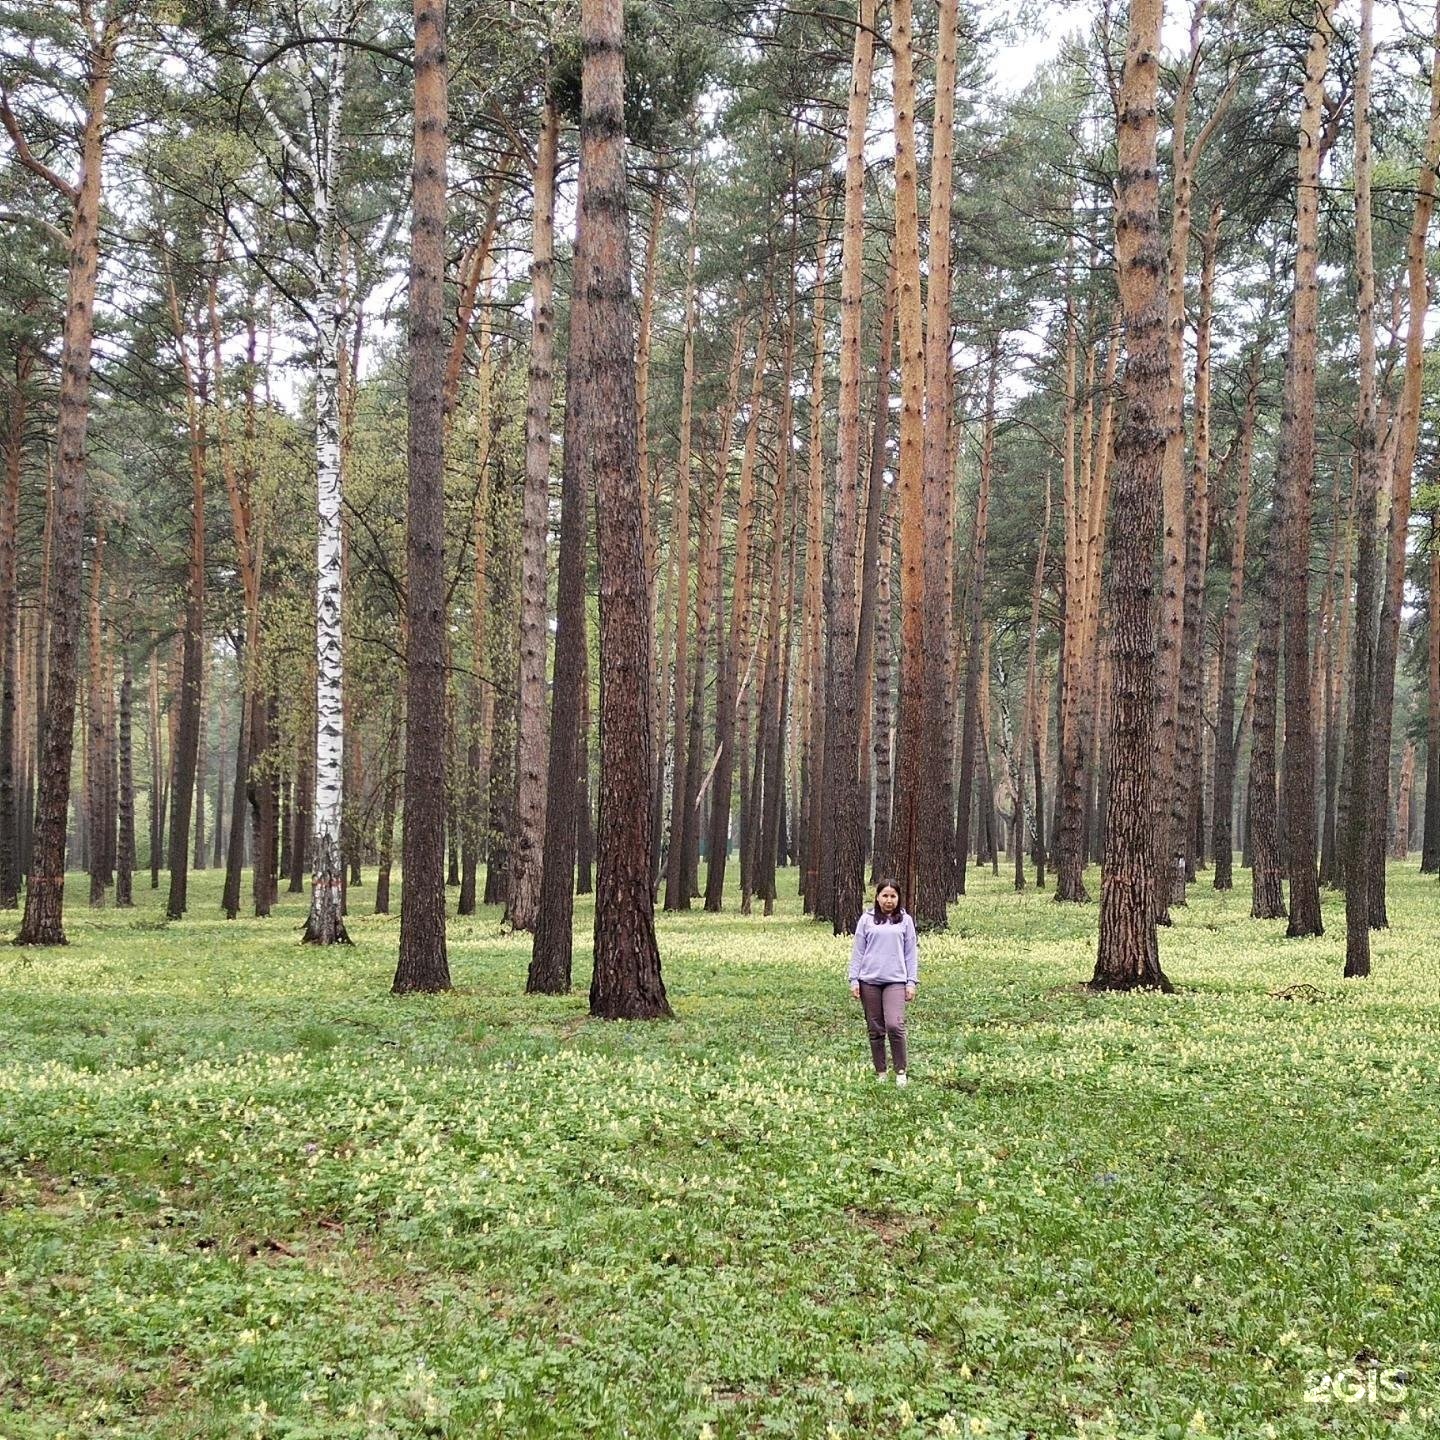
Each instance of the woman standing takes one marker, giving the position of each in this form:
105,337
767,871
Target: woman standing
884,970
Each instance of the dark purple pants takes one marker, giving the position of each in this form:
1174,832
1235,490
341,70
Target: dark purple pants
885,1015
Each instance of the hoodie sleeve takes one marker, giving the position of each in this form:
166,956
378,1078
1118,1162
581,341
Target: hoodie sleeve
912,954
857,950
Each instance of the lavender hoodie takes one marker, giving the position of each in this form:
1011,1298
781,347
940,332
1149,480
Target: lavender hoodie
884,953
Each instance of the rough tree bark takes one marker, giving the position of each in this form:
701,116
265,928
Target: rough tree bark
911,838
551,953
43,923
1358,850
423,963
1298,478
1128,955
523,894
1407,431
626,982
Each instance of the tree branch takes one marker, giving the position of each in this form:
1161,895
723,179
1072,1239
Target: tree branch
29,159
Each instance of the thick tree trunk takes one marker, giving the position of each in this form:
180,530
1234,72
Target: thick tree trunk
841,884
626,982
523,896
43,923
423,964
1128,955
937,858
912,837
1360,815
1299,480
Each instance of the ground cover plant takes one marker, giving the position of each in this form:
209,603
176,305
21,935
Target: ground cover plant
246,1192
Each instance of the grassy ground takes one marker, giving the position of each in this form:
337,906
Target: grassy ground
244,1192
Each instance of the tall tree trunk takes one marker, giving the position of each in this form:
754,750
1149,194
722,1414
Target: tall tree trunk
626,981
1128,955
185,753
523,896
10,829
729,698
880,846
480,697
265,806
770,748
1299,480
911,837
936,859
1359,852
157,772
1430,844
1430,853
973,721
842,822
1187,782
812,645
1027,741
649,519
676,886
1407,432
217,822
1226,739
385,859
43,923
95,729
125,843
584,805
423,964
552,952
197,860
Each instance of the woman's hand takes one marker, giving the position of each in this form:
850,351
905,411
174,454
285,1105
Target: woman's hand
855,988
909,993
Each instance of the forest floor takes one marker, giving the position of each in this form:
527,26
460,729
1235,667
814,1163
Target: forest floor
245,1192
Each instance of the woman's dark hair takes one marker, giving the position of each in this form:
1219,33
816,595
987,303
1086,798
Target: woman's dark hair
897,914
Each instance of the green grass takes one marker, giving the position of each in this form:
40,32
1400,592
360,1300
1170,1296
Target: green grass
245,1192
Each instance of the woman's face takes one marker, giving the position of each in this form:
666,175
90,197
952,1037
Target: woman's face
887,899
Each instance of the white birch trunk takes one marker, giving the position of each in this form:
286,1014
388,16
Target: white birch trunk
325,925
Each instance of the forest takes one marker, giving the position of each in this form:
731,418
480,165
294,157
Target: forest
554,505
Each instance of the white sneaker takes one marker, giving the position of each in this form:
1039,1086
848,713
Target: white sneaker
901,1079
881,1076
